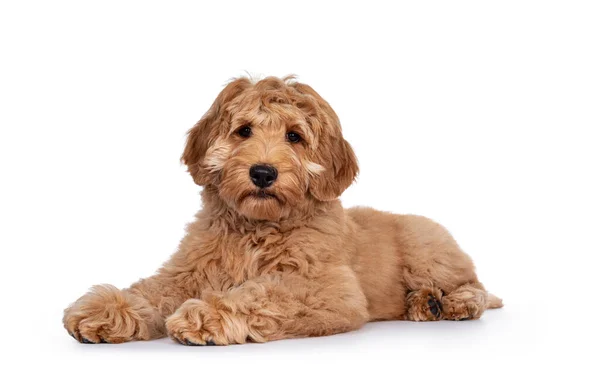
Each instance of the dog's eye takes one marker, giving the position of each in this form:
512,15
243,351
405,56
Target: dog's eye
245,132
293,137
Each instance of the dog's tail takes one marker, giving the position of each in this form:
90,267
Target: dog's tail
494,301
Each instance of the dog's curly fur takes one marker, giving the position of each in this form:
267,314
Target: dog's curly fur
285,261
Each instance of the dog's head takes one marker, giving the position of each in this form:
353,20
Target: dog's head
268,146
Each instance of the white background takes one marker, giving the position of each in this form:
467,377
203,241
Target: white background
480,115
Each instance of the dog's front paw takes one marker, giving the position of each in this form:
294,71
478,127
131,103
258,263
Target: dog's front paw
108,315
197,322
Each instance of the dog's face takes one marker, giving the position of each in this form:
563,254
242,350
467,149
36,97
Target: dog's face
268,146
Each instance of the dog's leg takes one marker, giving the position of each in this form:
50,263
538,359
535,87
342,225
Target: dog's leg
439,277
272,308
107,314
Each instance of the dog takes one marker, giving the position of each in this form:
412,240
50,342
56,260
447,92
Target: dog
272,254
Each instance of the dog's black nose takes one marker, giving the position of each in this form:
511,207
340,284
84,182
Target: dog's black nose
262,175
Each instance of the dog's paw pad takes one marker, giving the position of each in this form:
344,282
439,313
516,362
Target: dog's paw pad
435,306
86,341
177,340
191,343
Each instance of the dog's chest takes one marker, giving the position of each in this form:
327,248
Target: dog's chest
236,260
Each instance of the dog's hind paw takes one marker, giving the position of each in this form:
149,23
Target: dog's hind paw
424,305
464,304
435,306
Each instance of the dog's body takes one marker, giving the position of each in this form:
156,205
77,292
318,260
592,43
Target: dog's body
273,254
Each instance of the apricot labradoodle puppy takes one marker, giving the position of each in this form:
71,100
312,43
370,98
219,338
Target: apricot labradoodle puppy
272,254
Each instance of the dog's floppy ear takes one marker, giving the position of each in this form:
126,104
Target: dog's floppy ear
332,152
206,131
341,169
